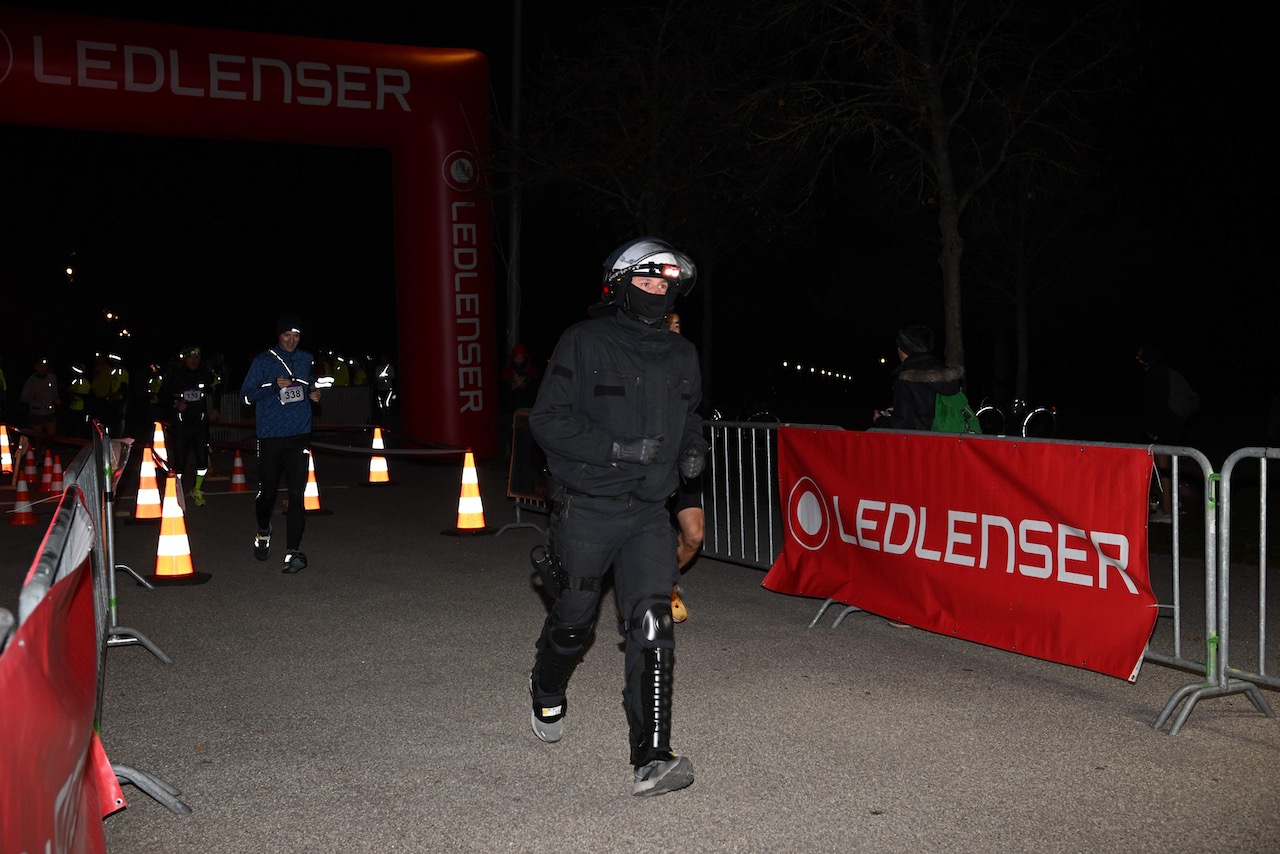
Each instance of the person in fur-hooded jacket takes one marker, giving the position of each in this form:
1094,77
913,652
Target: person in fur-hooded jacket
918,379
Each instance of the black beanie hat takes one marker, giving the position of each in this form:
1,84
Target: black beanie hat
288,322
915,339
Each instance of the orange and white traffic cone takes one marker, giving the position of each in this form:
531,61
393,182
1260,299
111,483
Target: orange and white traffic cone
56,485
377,463
311,495
6,456
147,505
238,483
46,472
470,507
29,473
173,551
157,442
22,514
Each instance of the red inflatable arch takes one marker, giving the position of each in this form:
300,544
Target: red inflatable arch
429,106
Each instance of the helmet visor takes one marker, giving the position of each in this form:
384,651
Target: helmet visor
655,258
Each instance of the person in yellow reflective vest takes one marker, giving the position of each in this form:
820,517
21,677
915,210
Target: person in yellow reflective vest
110,386
78,409
157,407
341,370
359,374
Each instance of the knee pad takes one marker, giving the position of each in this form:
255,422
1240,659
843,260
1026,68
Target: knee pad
657,624
570,637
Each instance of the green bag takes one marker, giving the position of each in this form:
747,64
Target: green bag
951,414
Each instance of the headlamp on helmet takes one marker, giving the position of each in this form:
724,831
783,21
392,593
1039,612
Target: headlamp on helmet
648,256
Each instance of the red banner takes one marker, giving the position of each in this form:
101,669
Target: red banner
1036,548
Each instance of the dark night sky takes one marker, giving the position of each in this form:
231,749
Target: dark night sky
244,229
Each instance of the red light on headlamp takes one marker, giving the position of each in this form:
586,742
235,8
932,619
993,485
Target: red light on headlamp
670,271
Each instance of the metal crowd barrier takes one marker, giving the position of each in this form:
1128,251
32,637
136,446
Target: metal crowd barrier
743,519
1222,676
744,525
94,473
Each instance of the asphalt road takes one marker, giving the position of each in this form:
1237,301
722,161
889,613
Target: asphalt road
377,701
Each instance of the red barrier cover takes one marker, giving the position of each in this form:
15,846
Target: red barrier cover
1035,548
56,784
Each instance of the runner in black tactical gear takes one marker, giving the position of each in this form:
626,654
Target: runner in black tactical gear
617,418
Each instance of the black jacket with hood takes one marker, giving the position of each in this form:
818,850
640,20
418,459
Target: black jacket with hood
917,381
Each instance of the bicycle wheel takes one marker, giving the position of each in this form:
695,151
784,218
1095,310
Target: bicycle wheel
991,420
1040,423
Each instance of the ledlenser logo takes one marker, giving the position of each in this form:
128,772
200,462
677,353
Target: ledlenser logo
460,170
807,518
6,56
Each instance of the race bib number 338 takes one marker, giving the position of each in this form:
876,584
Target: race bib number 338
292,394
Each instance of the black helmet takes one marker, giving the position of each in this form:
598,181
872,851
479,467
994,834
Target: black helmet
648,256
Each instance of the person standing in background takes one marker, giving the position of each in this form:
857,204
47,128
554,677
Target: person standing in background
384,383
78,409
110,384
917,381
1168,402
41,396
518,390
191,391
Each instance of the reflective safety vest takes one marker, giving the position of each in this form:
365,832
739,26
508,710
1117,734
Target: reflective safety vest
107,381
80,391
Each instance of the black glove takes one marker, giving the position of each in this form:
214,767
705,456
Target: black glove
640,449
692,462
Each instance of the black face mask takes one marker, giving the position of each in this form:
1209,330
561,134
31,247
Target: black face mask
646,307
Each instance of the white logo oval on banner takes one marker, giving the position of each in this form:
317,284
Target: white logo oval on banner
807,518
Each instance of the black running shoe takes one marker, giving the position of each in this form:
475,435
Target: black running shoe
294,561
262,544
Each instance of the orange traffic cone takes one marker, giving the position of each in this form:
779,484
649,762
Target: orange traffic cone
147,505
311,495
55,485
378,464
22,514
6,456
238,483
46,472
173,551
157,442
29,468
470,507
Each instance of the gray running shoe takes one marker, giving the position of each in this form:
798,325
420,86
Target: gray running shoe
547,723
294,561
262,544
662,775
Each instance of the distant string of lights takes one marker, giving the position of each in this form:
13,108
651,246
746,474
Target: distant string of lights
815,371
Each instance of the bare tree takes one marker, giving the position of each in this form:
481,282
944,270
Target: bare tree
1040,233
942,95
635,117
